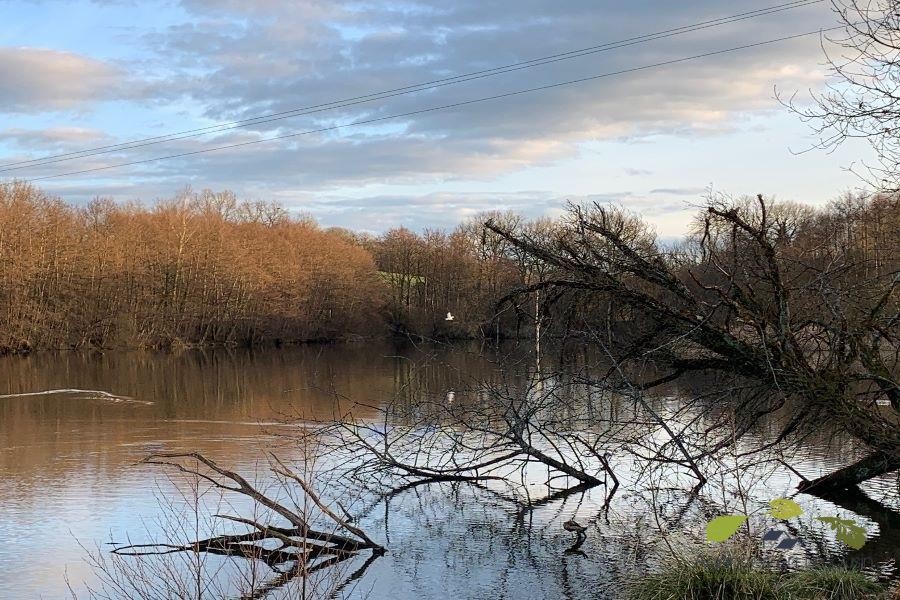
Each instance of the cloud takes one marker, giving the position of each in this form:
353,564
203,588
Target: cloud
276,57
447,209
439,209
687,191
36,79
56,138
228,60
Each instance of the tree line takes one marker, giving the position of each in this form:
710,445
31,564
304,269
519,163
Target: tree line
204,268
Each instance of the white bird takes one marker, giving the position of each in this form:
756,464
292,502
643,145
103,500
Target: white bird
449,317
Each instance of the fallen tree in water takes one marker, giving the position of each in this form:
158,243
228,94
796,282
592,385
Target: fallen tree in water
564,436
308,542
762,294
496,432
300,535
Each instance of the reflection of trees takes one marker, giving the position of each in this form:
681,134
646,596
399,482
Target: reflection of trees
444,529
886,545
493,526
500,432
531,450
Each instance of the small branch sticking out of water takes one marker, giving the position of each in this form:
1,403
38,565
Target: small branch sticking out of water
295,550
92,395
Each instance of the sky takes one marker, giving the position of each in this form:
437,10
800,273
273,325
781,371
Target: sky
83,74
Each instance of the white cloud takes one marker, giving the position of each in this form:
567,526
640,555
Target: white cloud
230,60
446,209
57,138
38,79
278,56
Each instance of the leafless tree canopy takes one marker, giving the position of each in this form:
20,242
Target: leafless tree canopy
863,99
763,292
204,268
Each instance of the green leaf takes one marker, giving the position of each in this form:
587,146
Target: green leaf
847,531
854,536
834,522
722,528
783,508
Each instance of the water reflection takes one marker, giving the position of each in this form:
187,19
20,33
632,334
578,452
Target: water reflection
68,463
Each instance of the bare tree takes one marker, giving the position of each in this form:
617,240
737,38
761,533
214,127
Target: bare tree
200,268
863,99
752,299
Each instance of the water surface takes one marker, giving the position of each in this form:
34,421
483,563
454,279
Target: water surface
68,462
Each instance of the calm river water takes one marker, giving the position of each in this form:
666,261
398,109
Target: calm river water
71,483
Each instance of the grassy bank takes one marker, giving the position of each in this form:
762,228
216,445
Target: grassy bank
731,576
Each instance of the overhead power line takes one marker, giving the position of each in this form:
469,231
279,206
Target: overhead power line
441,107
410,89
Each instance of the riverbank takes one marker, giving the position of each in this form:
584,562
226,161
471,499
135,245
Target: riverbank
731,574
458,336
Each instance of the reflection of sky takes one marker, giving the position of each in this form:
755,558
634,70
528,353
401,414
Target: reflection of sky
70,474
142,69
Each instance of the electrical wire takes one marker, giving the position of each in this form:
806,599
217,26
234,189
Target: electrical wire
440,107
425,86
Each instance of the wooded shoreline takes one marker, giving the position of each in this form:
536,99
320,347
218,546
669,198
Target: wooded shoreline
205,269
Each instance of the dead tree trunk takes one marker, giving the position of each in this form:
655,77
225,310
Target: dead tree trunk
849,477
293,551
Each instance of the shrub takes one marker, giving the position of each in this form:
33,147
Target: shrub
829,583
732,576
